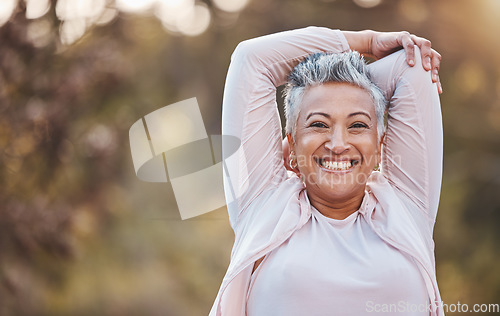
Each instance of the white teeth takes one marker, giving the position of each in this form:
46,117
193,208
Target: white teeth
337,165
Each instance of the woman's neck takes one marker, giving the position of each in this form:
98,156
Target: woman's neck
337,209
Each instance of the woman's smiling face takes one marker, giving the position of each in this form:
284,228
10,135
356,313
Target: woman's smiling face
336,141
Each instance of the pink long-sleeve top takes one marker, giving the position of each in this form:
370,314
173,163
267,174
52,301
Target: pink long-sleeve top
271,215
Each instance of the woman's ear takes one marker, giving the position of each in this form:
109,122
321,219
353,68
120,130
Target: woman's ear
287,145
379,148
290,160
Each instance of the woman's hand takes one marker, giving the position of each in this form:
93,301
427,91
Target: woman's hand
381,44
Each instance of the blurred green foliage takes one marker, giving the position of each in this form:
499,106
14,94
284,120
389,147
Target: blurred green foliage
81,235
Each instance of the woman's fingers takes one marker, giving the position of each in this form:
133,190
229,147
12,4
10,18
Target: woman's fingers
385,43
435,64
408,45
426,51
440,87
431,59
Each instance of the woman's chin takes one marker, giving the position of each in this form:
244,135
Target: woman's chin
341,192
338,186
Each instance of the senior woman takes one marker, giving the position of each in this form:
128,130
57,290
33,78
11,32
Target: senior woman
347,230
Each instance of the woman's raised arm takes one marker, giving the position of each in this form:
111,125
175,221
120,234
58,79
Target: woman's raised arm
413,144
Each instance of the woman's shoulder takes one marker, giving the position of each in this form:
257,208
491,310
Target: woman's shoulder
395,205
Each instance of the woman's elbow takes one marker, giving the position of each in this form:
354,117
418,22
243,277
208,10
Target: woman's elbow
417,75
246,51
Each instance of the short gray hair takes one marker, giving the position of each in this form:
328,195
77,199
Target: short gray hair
320,68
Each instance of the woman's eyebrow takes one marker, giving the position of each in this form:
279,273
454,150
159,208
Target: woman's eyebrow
360,113
328,115
318,113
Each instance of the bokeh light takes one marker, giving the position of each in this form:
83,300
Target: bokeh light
107,15
71,30
231,5
195,21
168,11
39,32
36,8
470,77
414,10
76,17
135,6
183,16
6,9
367,3
78,9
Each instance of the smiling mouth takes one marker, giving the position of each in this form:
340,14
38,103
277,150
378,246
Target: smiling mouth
342,165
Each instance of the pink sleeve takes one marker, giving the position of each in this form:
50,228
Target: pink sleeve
413,147
250,111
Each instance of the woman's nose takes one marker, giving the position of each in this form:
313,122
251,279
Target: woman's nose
337,143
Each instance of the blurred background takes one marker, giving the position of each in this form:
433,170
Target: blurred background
81,235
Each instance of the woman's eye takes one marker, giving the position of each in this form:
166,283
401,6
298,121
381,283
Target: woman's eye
359,125
318,124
